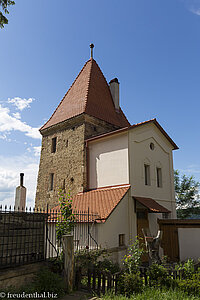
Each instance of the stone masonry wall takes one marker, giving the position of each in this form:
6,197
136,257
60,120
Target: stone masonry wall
68,163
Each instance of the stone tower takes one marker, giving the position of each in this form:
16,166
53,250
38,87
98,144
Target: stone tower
87,110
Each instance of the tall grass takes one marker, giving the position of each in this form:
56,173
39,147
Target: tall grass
153,293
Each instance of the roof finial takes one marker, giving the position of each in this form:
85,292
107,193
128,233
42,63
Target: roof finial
91,47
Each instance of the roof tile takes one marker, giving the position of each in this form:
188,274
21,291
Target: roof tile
88,94
100,201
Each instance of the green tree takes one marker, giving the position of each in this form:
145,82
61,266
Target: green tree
187,195
4,4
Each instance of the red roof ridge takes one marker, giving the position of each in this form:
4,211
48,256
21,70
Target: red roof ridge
68,92
105,188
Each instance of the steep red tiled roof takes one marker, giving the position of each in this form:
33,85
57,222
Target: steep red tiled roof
100,201
88,94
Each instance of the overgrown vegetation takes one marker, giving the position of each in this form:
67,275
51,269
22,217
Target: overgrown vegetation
132,261
154,293
65,223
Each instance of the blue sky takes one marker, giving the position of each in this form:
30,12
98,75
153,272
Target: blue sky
153,47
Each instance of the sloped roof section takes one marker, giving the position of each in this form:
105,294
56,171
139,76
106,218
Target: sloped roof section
152,205
88,94
100,201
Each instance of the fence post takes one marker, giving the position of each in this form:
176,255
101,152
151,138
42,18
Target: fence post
68,249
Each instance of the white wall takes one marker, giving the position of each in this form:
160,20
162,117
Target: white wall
121,221
140,154
108,161
189,243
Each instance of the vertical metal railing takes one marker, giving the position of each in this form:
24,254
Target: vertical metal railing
22,236
29,235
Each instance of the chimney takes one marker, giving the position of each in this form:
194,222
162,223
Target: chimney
114,88
20,195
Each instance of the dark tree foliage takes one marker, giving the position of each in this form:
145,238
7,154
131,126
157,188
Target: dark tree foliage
187,196
4,5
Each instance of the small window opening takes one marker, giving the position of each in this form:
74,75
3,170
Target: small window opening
63,184
51,181
95,129
159,177
147,174
72,179
122,239
53,145
152,146
67,143
73,128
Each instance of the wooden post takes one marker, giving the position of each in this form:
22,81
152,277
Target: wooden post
68,250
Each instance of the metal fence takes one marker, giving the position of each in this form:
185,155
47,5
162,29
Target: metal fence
85,231
30,236
22,237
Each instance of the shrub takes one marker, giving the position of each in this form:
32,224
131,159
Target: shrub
158,275
57,265
130,283
186,269
107,265
132,260
47,281
86,258
190,285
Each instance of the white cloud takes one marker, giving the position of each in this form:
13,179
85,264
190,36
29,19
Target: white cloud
17,115
9,123
10,169
37,150
20,103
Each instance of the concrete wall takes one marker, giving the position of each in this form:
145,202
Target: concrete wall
121,221
108,161
189,243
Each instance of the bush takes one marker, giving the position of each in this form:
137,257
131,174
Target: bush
107,265
186,269
130,283
86,258
190,285
159,276
132,260
47,281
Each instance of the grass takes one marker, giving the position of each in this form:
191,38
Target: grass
153,293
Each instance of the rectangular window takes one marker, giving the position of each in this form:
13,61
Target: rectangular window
159,177
51,180
122,239
147,174
53,145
